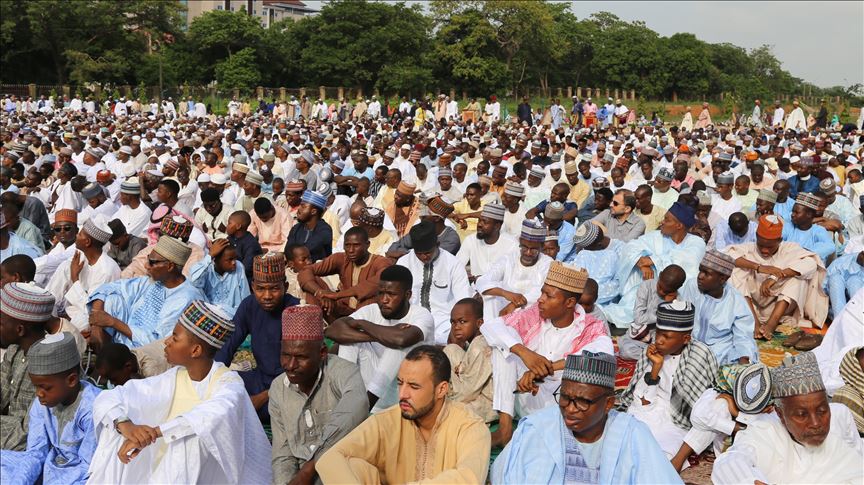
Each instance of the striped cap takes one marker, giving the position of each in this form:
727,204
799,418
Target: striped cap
269,268
176,226
493,211
566,277
26,302
97,228
514,189
590,368
92,190
797,375
53,354
537,171
440,207
315,199
586,235
239,167
173,250
445,172
808,200
254,178
130,186
533,230
207,322
719,262
405,188
767,195
675,316
303,323
827,186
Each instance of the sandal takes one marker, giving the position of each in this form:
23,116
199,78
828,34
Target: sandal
793,339
808,342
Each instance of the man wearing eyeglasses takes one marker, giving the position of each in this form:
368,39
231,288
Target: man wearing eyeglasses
582,440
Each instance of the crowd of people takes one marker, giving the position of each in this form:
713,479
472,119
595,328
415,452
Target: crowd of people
427,294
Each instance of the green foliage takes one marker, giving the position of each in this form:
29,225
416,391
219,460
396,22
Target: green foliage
480,47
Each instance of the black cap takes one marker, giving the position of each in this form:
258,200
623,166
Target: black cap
423,236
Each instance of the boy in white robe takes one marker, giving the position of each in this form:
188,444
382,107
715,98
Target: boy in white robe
197,416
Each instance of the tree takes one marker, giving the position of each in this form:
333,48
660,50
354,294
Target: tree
239,70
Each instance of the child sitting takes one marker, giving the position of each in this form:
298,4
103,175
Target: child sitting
588,300
60,438
116,365
471,359
297,258
649,294
197,414
246,244
741,395
670,377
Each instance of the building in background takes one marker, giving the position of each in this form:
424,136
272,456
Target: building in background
267,11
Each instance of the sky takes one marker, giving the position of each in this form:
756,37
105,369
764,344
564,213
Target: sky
821,42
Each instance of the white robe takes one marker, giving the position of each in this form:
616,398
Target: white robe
480,255
135,220
220,440
71,298
846,333
796,120
509,274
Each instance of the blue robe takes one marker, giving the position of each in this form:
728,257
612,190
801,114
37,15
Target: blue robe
150,309
226,290
630,454
811,185
845,277
816,239
602,267
784,210
725,325
19,245
663,251
58,459
566,232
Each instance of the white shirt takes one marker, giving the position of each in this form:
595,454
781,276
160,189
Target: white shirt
136,221
725,208
480,255
72,297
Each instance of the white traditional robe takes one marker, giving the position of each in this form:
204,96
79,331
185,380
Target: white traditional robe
136,220
796,120
218,440
480,255
509,274
70,297
845,333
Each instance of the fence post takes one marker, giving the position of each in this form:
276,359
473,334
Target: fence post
341,92
560,93
569,92
464,96
452,94
281,94
67,92
633,94
607,92
674,96
31,90
322,93
616,94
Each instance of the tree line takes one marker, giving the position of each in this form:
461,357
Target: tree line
478,47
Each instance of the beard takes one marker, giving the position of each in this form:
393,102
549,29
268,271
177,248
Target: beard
418,413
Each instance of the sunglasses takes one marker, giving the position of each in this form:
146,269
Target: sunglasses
63,228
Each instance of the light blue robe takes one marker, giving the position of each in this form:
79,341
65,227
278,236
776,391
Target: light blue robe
630,454
19,245
816,240
566,232
845,277
64,459
226,290
663,251
150,309
784,210
726,325
602,267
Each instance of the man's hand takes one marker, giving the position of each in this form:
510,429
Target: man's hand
526,383
327,302
516,299
100,318
508,309
75,266
217,248
306,475
771,270
655,357
765,289
646,266
128,451
139,434
540,366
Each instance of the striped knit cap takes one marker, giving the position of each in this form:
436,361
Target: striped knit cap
590,368
26,302
207,322
676,316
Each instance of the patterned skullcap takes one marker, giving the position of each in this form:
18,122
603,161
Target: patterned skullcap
303,323
372,217
325,189
827,186
808,200
703,198
445,172
130,186
174,250
676,316
767,195
269,268
587,157
797,375
566,277
551,235
92,190
537,172
590,368
254,178
295,186
97,228
177,227
554,210
440,207
571,168
26,302
484,180
684,213
752,390
514,189
724,157
586,234
66,215
665,174
493,211
239,168
405,188
315,199
53,354
495,152
726,178
599,183
207,322
719,262
807,162
533,230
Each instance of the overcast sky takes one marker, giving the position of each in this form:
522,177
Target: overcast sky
821,42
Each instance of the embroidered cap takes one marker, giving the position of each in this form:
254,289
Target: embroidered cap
808,200
372,217
26,302
591,368
303,323
770,227
719,262
53,354
797,375
207,322
177,227
439,207
514,189
269,268
315,199
767,195
753,389
405,188
554,210
174,250
130,186
676,316
66,215
586,235
493,211
566,277
97,228
533,230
